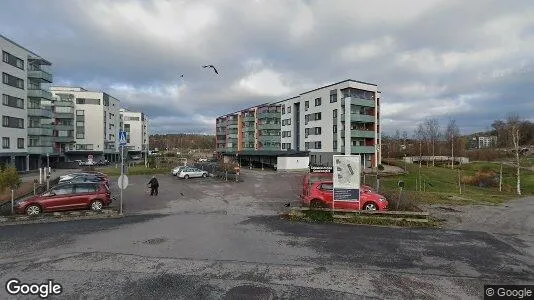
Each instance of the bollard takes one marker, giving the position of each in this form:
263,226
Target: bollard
40,175
34,188
226,175
236,174
12,201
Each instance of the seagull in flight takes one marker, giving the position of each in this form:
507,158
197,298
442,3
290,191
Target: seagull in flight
211,66
182,76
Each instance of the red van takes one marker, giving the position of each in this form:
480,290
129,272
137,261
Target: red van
68,196
321,195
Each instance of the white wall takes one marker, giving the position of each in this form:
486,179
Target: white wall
292,163
14,133
137,130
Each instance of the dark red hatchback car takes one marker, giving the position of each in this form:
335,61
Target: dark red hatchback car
68,196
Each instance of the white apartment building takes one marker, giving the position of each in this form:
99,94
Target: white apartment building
316,121
136,126
96,123
26,130
341,118
487,142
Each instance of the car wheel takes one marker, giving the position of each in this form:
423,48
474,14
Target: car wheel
370,206
97,205
33,210
204,175
186,176
315,203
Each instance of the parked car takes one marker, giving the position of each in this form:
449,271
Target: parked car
69,196
86,178
321,195
67,177
177,170
311,178
190,172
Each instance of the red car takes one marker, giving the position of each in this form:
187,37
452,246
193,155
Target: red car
321,194
68,196
311,178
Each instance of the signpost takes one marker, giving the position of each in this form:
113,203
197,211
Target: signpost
123,179
347,173
90,159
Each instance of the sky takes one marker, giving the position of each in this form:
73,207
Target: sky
471,61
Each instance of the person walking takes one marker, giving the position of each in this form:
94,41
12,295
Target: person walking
154,185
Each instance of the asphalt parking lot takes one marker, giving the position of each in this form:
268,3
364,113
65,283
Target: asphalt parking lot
257,193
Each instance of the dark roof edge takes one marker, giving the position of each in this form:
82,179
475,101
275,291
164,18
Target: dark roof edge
346,80
26,49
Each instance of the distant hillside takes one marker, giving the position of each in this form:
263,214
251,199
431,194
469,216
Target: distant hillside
182,141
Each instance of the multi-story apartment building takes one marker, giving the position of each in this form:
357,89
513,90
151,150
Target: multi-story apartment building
341,118
26,129
136,126
86,123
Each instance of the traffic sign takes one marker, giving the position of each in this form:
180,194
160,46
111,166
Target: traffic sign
122,138
122,182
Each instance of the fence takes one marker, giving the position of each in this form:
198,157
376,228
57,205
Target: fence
25,191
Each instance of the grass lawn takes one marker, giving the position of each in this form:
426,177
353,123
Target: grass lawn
136,170
442,184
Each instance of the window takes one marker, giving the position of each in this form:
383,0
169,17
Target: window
5,143
85,188
12,60
317,101
80,135
80,124
317,130
306,105
12,81
80,112
288,122
20,143
63,190
12,101
334,145
333,96
87,101
289,109
317,145
334,129
12,122
283,109
286,133
64,110
327,187
334,114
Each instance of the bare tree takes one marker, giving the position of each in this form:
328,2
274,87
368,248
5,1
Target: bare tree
432,130
452,132
513,123
419,136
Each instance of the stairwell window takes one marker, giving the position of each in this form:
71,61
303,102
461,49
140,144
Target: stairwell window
5,143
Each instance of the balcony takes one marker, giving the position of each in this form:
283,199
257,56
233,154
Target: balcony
41,75
363,102
64,115
64,139
41,149
360,134
249,119
232,126
232,136
40,131
269,138
250,129
40,112
271,114
38,93
63,127
64,103
354,117
270,126
362,149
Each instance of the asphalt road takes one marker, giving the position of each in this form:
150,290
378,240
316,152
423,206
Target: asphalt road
223,240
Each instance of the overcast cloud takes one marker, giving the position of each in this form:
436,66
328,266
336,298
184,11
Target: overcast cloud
468,60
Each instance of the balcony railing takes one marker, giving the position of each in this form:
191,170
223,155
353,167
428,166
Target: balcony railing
64,103
270,126
38,93
40,131
360,133
63,127
40,112
40,74
64,139
41,149
362,149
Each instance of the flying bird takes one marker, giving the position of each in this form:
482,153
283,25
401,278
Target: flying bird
211,66
182,194
182,76
287,204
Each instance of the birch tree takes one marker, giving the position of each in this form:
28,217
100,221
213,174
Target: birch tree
432,130
452,132
513,124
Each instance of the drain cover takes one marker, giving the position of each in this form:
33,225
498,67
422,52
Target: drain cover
249,292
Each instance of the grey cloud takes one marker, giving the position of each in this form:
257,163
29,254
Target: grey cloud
83,52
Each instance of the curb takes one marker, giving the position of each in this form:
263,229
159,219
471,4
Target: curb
58,218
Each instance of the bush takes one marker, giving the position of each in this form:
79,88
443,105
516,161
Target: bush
9,178
408,201
483,178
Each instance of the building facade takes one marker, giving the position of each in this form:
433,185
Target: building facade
341,118
26,130
86,123
136,126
